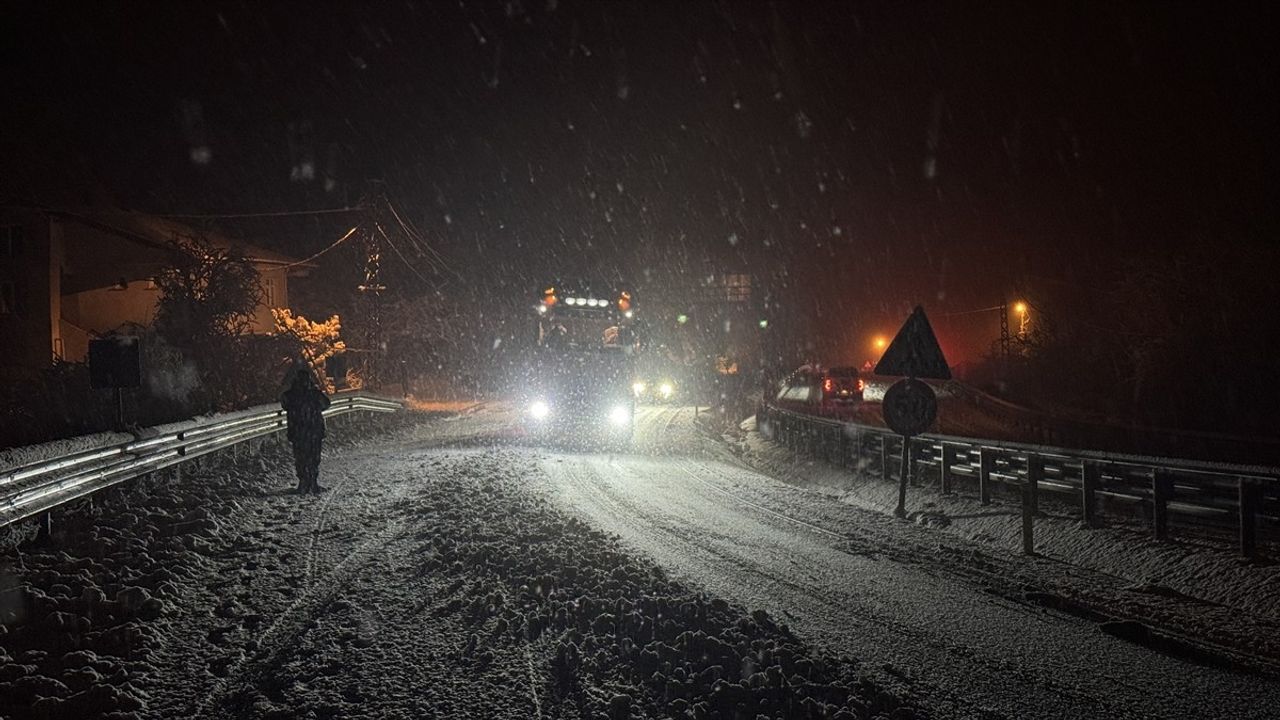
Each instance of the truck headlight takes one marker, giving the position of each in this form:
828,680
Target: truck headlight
637,388
539,410
666,390
620,415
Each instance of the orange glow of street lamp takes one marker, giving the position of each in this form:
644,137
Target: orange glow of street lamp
1020,308
880,342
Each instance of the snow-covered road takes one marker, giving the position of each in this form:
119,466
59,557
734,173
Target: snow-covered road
960,650
453,570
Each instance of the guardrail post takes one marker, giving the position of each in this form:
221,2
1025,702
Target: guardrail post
944,469
1028,515
44,529
1161,490
986,463
1250,501
1035,475
884,457
1090,479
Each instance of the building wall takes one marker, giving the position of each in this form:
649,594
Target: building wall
71,282
275,282
102,310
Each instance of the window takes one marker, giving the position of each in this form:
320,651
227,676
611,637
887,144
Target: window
269,291
11,240
8,298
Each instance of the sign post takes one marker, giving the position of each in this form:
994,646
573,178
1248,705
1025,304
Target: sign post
909,405
115,363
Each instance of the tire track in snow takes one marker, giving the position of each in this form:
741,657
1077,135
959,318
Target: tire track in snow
609,485
292,620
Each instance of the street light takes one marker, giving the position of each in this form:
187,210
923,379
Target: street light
880,342
1024,319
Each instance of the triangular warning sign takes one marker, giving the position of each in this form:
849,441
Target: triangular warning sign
915,352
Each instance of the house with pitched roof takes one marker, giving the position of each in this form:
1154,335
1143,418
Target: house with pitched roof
69,275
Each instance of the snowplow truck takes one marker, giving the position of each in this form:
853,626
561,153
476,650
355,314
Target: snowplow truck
578,385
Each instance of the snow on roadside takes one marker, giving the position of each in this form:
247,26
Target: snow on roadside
83,619
1197,567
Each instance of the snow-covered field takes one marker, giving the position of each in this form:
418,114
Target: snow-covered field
453,570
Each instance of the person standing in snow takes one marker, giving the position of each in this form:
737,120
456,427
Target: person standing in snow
303,402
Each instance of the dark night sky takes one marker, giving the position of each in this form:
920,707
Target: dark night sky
876,155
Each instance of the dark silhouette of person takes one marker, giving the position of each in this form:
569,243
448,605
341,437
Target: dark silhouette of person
303,402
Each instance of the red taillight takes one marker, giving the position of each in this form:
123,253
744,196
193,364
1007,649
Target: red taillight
861,385
827,385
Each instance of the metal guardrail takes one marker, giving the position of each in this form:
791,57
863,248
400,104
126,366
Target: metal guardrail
1243,497
39,487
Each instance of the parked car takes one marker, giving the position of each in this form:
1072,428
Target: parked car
814,390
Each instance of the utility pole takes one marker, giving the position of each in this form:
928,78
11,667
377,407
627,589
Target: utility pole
371,290
1004,330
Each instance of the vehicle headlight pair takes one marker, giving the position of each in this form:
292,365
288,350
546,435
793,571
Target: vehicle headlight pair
539,410
666,389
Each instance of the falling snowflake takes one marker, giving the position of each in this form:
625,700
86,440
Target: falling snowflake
803,124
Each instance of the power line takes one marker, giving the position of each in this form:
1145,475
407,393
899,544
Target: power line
281,213
414,235
972,312
401,255
335,244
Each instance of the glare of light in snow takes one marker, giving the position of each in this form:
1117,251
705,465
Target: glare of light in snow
822,187
496,343
803,124
201,155
737,103
306,170
448,219
733,239
619,186
836,230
